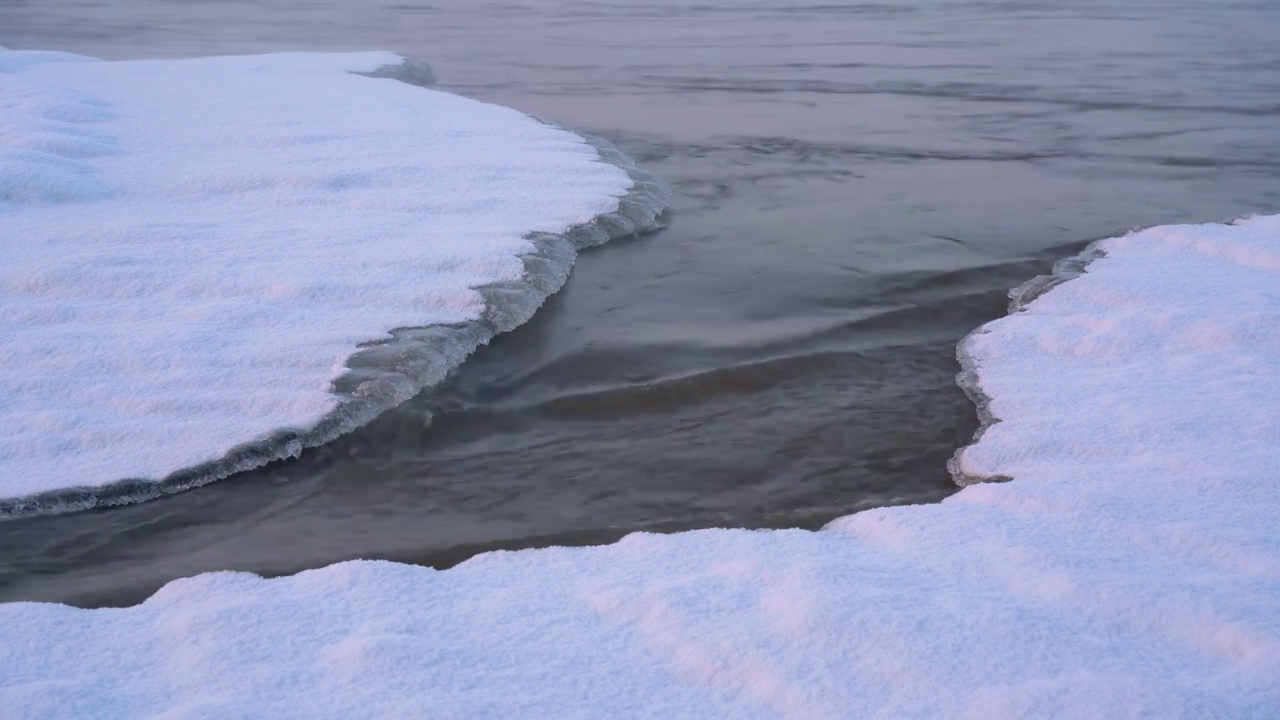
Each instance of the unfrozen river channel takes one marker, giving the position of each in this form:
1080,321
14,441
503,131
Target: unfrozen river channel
856,187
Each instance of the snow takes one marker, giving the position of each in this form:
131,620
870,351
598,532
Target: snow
194,249
1130,569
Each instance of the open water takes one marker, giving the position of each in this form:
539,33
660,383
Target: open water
856,186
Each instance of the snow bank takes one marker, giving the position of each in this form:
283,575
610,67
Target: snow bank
205,260
1130,569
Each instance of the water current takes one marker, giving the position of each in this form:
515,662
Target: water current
857,185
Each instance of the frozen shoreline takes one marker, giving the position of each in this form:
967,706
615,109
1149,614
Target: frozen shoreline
1130,569
381,373
1020,297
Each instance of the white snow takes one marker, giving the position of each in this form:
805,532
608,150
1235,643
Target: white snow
192,249
1130,569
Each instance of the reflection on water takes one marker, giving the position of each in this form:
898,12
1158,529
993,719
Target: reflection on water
857,185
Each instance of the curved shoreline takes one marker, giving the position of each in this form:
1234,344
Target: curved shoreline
1020,296
1100,584
1064,270
384,374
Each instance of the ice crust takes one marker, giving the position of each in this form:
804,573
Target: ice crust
213,263
1129,569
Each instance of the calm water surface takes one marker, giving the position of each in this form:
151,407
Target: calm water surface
857,186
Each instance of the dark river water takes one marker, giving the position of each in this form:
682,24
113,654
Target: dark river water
857,185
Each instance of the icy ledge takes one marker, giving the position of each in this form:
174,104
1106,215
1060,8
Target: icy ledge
203,258
1130,569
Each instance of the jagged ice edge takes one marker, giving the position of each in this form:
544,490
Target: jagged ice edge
386,373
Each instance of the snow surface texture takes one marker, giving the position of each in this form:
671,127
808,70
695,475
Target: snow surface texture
212,263
1131,568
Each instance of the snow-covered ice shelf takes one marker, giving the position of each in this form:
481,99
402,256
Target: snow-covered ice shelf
198,254
1131,568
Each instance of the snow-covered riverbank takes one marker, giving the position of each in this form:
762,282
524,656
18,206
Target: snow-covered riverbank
1130,568
205,260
